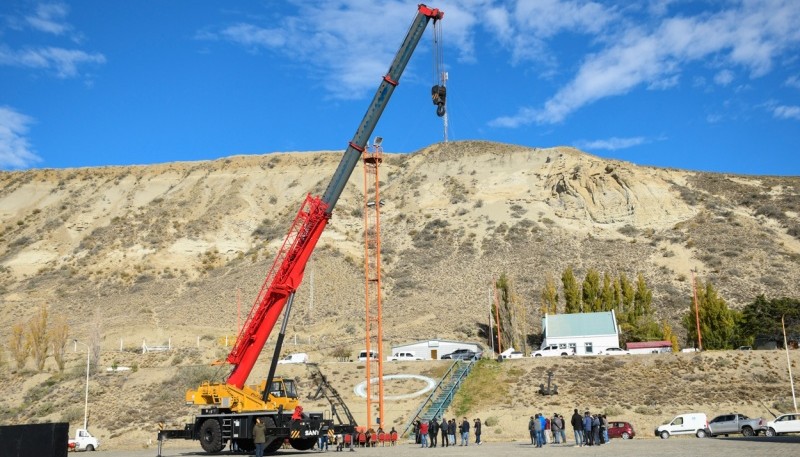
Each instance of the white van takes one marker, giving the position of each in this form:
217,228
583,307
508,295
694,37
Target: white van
301,357
362,356
684,424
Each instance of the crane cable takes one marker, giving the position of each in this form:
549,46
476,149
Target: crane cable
438,91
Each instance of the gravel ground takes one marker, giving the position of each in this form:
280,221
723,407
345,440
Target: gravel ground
711,447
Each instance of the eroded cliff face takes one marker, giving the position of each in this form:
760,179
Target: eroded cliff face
608,192
169,245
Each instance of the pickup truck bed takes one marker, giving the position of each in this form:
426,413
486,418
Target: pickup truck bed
731,424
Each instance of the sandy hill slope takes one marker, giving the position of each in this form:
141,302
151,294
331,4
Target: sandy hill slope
162,250
172,252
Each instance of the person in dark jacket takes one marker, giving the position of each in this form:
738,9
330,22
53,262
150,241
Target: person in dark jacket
444,428
433,432
477,426
465,432
451,428
577,428
418,438
259,436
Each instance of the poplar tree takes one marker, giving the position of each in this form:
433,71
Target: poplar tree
643,298
717,322
572,293
607,294
590,291
549,296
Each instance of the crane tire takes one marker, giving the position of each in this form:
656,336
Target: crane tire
211,436
303,444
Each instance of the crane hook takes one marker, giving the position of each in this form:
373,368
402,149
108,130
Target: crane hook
439,96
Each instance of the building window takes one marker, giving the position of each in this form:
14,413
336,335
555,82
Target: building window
588,348
572,348
562,345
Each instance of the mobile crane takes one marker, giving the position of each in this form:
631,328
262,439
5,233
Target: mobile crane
229,409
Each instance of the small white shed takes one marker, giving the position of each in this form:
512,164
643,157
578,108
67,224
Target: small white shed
581,333
435,349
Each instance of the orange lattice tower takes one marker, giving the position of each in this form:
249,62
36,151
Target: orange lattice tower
372,158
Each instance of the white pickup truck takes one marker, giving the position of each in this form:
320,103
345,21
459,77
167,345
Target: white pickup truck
84,441
401,356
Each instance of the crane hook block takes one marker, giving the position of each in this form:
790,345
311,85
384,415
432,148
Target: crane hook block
439,96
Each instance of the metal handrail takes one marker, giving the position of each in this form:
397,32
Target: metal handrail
435,390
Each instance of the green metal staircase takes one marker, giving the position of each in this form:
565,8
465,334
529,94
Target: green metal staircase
442,395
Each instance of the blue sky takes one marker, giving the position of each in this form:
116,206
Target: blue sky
711,85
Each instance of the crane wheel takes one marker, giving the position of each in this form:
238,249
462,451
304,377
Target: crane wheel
211,436
303,444
273,447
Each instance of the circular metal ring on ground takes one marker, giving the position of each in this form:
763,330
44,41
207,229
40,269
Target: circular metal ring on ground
361,388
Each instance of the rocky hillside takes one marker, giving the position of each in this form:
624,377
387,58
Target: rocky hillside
165,250
175,254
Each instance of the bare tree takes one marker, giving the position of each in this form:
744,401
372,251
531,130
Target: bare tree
38,337
18,345
59,333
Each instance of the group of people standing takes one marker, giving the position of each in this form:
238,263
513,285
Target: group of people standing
426,432
544,429
589,430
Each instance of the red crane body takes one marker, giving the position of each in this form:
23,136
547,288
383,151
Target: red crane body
287,270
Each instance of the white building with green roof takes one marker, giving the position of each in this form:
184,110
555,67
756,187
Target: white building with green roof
580,333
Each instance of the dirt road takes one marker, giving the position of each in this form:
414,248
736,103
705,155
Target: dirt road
710,447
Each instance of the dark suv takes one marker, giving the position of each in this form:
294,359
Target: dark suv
462,354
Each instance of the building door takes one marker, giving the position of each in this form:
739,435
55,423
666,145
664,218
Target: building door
435,354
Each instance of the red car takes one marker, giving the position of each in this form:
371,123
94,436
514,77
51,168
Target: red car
622,430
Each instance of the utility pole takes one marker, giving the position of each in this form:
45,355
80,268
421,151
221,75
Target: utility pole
697,315
788,361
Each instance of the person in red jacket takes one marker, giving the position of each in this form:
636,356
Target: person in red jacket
423,431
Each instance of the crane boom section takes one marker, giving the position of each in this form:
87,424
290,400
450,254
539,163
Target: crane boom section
284,277
353,153
287,271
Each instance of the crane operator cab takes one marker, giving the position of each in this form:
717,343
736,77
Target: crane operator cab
282,392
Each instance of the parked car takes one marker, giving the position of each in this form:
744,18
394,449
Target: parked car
462,354
615,351
728,424
401,356
294,358
786,423
622,430
551,351
362,356
510,353
684,424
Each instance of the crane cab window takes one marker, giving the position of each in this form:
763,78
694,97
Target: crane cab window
283,388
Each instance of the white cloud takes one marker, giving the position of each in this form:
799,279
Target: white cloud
611,144
49,18
64,62
792,81
344,44
15,150
724,77
786,112
751,34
